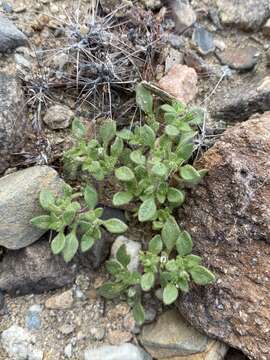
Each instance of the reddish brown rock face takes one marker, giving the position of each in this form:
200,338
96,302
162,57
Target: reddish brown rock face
229,218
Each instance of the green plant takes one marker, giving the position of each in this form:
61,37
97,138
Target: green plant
152,164
77,223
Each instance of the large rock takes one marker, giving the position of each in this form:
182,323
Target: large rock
247,15
19,203
229,218
10,36
171,337
113,352
34,269
13,122
240,102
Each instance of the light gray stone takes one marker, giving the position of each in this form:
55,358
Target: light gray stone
18,343
19,203
121,352
10,36
132,248
183,14
58,117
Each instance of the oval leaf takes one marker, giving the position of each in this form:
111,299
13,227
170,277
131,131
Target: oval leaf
170,294
90,197
171,130
159,170
147,210
87,242
71,247
170,233
175,196
155,245
122,198
122,255
137,157
46,199
144,99
115,226
138,313
147,281
58,243
184,244
107,131
201,276
42,222
124,174
189,174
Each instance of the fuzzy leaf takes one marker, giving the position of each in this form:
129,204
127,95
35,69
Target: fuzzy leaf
175,196
159,169
138,313
170,294
111,290
122,256
201,276
122,198
46,198
115,226
184,243
147,281
147,210
117,147
71,247
107,131
124,174
42,222
58,243
148,136
171,130
144,99
78,129
189,174
183,282
113,267
125,134
90,197
155,245
137,157
185,151
87,242
170,233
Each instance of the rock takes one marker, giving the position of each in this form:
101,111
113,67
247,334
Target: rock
268,57
7,7
34,269
118,337
203,40
239,58
67,329
98,333
247,15
10,36
13,122
239,103
121,352
229,219
2,300
132,247
18,343
58,117
19,203
33,320
68,351
180,82
152,4
196,62
22,62
173,57
60,301
172,336
174,40
184,15
266,28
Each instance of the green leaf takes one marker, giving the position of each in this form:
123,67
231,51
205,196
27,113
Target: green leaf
113,267
125,134
170,294
122,198
124,174
90,197
117,147
170,233
137,157
98,212
71,247
111,290
115,226
78,129
160,170
201,275
189,174
168,108
183,282
147,135
144,99
58,243
42,222
171,266
147,281
122,255
69,215
175,196
138,313
192,260
171,130
185,151
155,245
87,242
46,199
107,131
147,210
184,243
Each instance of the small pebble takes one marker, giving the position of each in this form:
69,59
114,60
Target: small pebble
33,320
68,351
203,40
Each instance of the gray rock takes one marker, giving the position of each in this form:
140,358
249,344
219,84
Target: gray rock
18,343
229,219
34,269
175,40
172,336
10,36
152,4
68,351
203,40
239,103
14,125
120,352
19,203
196,62
248,15
266,28
33,320
58,117
132,247
173,57
183,14
239,58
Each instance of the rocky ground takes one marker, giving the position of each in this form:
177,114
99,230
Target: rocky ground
215,54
